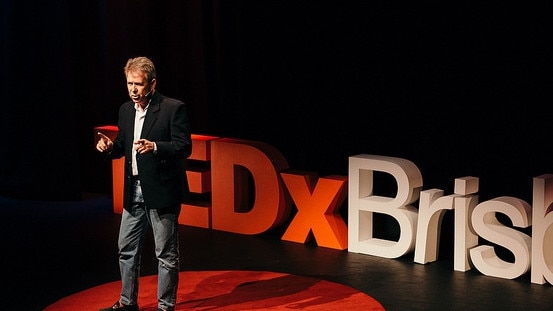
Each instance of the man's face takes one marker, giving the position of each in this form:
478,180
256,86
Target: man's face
139,88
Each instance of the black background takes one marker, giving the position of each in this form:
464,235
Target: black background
459,89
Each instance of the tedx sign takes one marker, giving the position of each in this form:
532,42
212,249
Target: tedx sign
248,188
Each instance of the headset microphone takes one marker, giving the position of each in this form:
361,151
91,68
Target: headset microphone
151,89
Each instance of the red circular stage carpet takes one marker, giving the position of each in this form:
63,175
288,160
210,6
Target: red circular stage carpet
232,290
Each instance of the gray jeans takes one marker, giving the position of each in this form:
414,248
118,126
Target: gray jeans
133,229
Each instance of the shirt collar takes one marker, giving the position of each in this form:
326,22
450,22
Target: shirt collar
136,107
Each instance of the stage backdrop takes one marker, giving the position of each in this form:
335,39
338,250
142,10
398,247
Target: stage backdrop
459,89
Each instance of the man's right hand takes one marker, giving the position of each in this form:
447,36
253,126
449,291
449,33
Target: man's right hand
104,144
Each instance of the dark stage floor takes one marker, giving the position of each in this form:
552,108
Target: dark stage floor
54,249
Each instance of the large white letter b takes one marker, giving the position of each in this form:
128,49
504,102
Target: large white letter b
362,203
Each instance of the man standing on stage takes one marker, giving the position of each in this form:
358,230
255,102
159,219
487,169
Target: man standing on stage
155,139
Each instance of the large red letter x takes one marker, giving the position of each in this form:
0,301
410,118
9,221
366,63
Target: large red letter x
318,204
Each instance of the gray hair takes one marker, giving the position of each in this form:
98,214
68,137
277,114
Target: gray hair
143,64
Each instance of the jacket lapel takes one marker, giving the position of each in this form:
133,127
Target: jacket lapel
151,115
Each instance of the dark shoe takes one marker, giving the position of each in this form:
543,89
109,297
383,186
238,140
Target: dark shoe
121,307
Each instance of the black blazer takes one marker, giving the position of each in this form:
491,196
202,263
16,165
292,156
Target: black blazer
162,175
